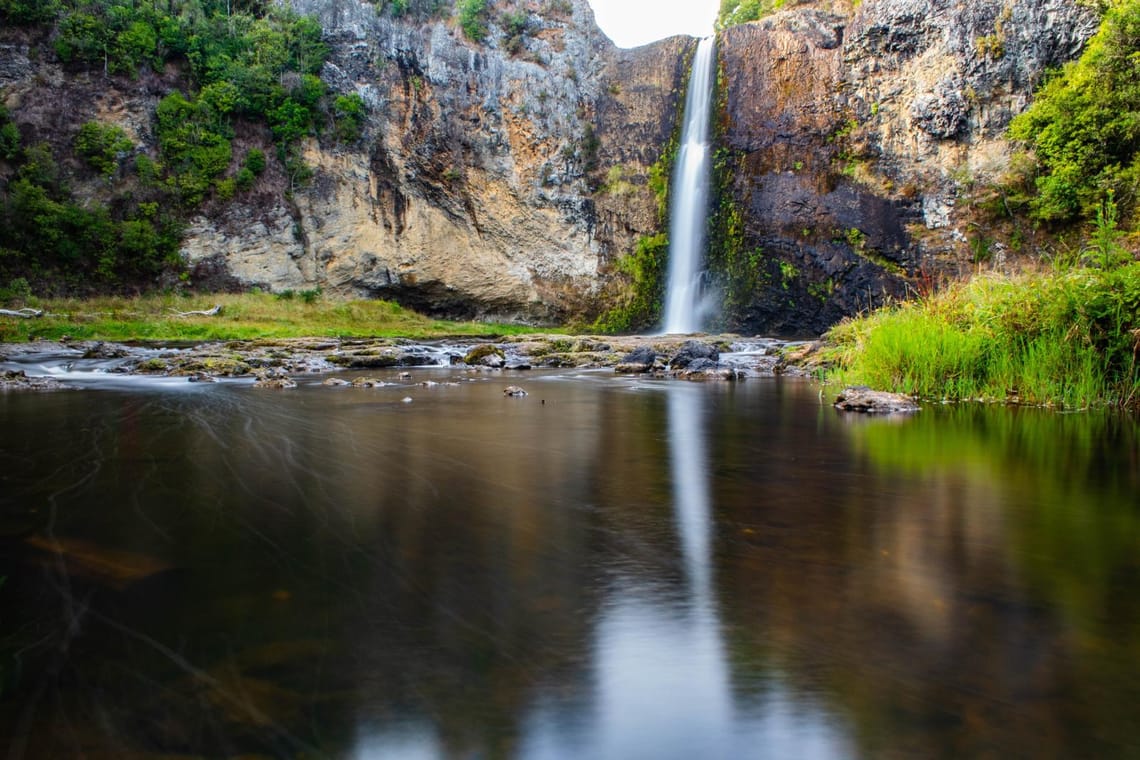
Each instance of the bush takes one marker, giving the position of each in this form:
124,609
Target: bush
1068,340
473,19
102,146
1084,125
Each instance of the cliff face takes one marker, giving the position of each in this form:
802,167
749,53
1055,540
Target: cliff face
505,178
850,136
472,192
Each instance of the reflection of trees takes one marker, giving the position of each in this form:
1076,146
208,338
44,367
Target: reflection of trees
955,589
956,585
344,558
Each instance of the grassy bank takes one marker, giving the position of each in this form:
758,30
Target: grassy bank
1064,339
245,316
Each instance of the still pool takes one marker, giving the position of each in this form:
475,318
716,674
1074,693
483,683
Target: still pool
608,567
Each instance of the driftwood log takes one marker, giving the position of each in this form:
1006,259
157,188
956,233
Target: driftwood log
22,313
201,313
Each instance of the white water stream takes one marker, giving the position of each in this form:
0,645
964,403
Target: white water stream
690,198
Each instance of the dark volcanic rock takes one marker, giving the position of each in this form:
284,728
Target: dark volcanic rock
641,359
693,351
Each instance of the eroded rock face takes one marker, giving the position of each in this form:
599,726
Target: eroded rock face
848,135
505,181
475,191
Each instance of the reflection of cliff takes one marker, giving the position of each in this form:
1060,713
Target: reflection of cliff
476,574
946,589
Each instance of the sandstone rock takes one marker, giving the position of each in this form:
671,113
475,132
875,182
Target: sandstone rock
865,400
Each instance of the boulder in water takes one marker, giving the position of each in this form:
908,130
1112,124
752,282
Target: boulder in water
866,401
640,359
693,351
514,390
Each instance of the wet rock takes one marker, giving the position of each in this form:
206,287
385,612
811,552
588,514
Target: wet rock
486,355
366,360
101,350
514,391
19,381
336,382
639,360
274,378
368,382
866,401
202,377
694,351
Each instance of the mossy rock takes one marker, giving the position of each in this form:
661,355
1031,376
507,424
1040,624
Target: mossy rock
152,366
487,355
364,360
219,366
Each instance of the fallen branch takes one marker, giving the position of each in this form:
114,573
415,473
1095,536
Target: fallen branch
22,313
201,313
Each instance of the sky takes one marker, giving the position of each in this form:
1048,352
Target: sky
630,23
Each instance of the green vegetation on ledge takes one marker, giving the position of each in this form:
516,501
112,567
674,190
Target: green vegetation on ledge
248,63
1066,339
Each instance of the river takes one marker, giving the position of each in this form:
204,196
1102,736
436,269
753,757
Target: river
608,567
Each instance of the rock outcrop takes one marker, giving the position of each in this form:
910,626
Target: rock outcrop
849,136
505,179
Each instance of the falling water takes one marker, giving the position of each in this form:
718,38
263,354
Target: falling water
689,205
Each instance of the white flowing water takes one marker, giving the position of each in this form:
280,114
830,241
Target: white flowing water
690,198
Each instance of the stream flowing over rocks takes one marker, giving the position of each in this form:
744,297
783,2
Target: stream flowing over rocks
277,364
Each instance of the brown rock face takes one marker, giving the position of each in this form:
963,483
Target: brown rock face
845,139
506,178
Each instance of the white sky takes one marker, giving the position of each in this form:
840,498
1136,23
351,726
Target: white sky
630,23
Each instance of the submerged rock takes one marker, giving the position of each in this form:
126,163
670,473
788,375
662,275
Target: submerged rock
514,390
864,400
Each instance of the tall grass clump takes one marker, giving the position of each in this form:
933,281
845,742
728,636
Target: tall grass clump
1064,339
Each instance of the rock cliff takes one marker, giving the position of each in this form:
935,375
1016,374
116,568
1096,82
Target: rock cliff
848,136
505,178
474,191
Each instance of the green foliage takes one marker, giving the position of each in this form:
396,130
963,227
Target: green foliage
349,113
473,19
644,270
733,12
1084,125
28,11
9,136
244,316
1067,340
516,25
102,146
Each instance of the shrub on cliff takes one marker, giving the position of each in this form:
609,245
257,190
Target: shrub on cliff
473,19
1084,125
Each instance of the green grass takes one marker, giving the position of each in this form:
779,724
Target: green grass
245,316
1068,340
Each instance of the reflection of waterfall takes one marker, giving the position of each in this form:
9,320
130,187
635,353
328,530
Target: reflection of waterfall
691,502
662,671
690,191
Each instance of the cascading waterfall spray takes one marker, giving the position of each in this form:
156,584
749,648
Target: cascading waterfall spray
688,210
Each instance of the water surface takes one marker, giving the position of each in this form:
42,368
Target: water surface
607,568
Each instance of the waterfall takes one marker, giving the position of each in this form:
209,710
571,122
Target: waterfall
688,207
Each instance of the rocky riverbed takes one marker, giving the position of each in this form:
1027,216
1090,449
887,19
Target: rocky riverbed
46,365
